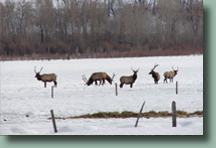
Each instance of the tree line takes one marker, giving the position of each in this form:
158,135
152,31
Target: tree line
100,28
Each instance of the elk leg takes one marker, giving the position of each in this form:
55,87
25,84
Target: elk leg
121,85
55,83
165,80
103,82
44,84
96,82
131,85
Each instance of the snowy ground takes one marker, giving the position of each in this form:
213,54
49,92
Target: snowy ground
26,104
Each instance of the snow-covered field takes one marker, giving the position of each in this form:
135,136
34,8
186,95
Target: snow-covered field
26,104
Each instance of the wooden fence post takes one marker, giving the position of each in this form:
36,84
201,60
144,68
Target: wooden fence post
173,114
176,87
52,91
116,89
53,121
139,114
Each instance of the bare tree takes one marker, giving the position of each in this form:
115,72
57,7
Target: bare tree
195,18
45,18
99,27
169,11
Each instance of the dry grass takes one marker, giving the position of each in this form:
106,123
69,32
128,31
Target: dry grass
128,114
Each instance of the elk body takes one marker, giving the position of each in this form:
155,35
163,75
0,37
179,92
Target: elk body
46,77
155,75
170,75
129,80
99,76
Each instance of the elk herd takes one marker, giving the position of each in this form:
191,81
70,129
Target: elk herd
103,76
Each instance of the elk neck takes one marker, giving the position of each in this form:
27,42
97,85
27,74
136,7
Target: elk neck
175,72
38,76
134,76
109,79
154,74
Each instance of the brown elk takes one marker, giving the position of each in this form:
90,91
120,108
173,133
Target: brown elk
170,75
155,75
129,80
99,76
46,77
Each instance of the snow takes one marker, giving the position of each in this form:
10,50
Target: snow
26,104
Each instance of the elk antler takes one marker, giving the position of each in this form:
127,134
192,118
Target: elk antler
174,69
134,70
41,69
113,76
35,69
155,66
84,78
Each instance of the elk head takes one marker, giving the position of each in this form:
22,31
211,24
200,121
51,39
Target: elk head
135,71
152,70
113,76
37,74
175,71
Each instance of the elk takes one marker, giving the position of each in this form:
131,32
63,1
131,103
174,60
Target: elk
155,75
46,77
170,75
98,76
129,79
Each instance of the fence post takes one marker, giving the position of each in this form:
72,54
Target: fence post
53,121
139,114
173,114
176,87
116,89
52,91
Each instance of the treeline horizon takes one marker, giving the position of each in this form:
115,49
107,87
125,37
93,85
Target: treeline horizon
105,28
